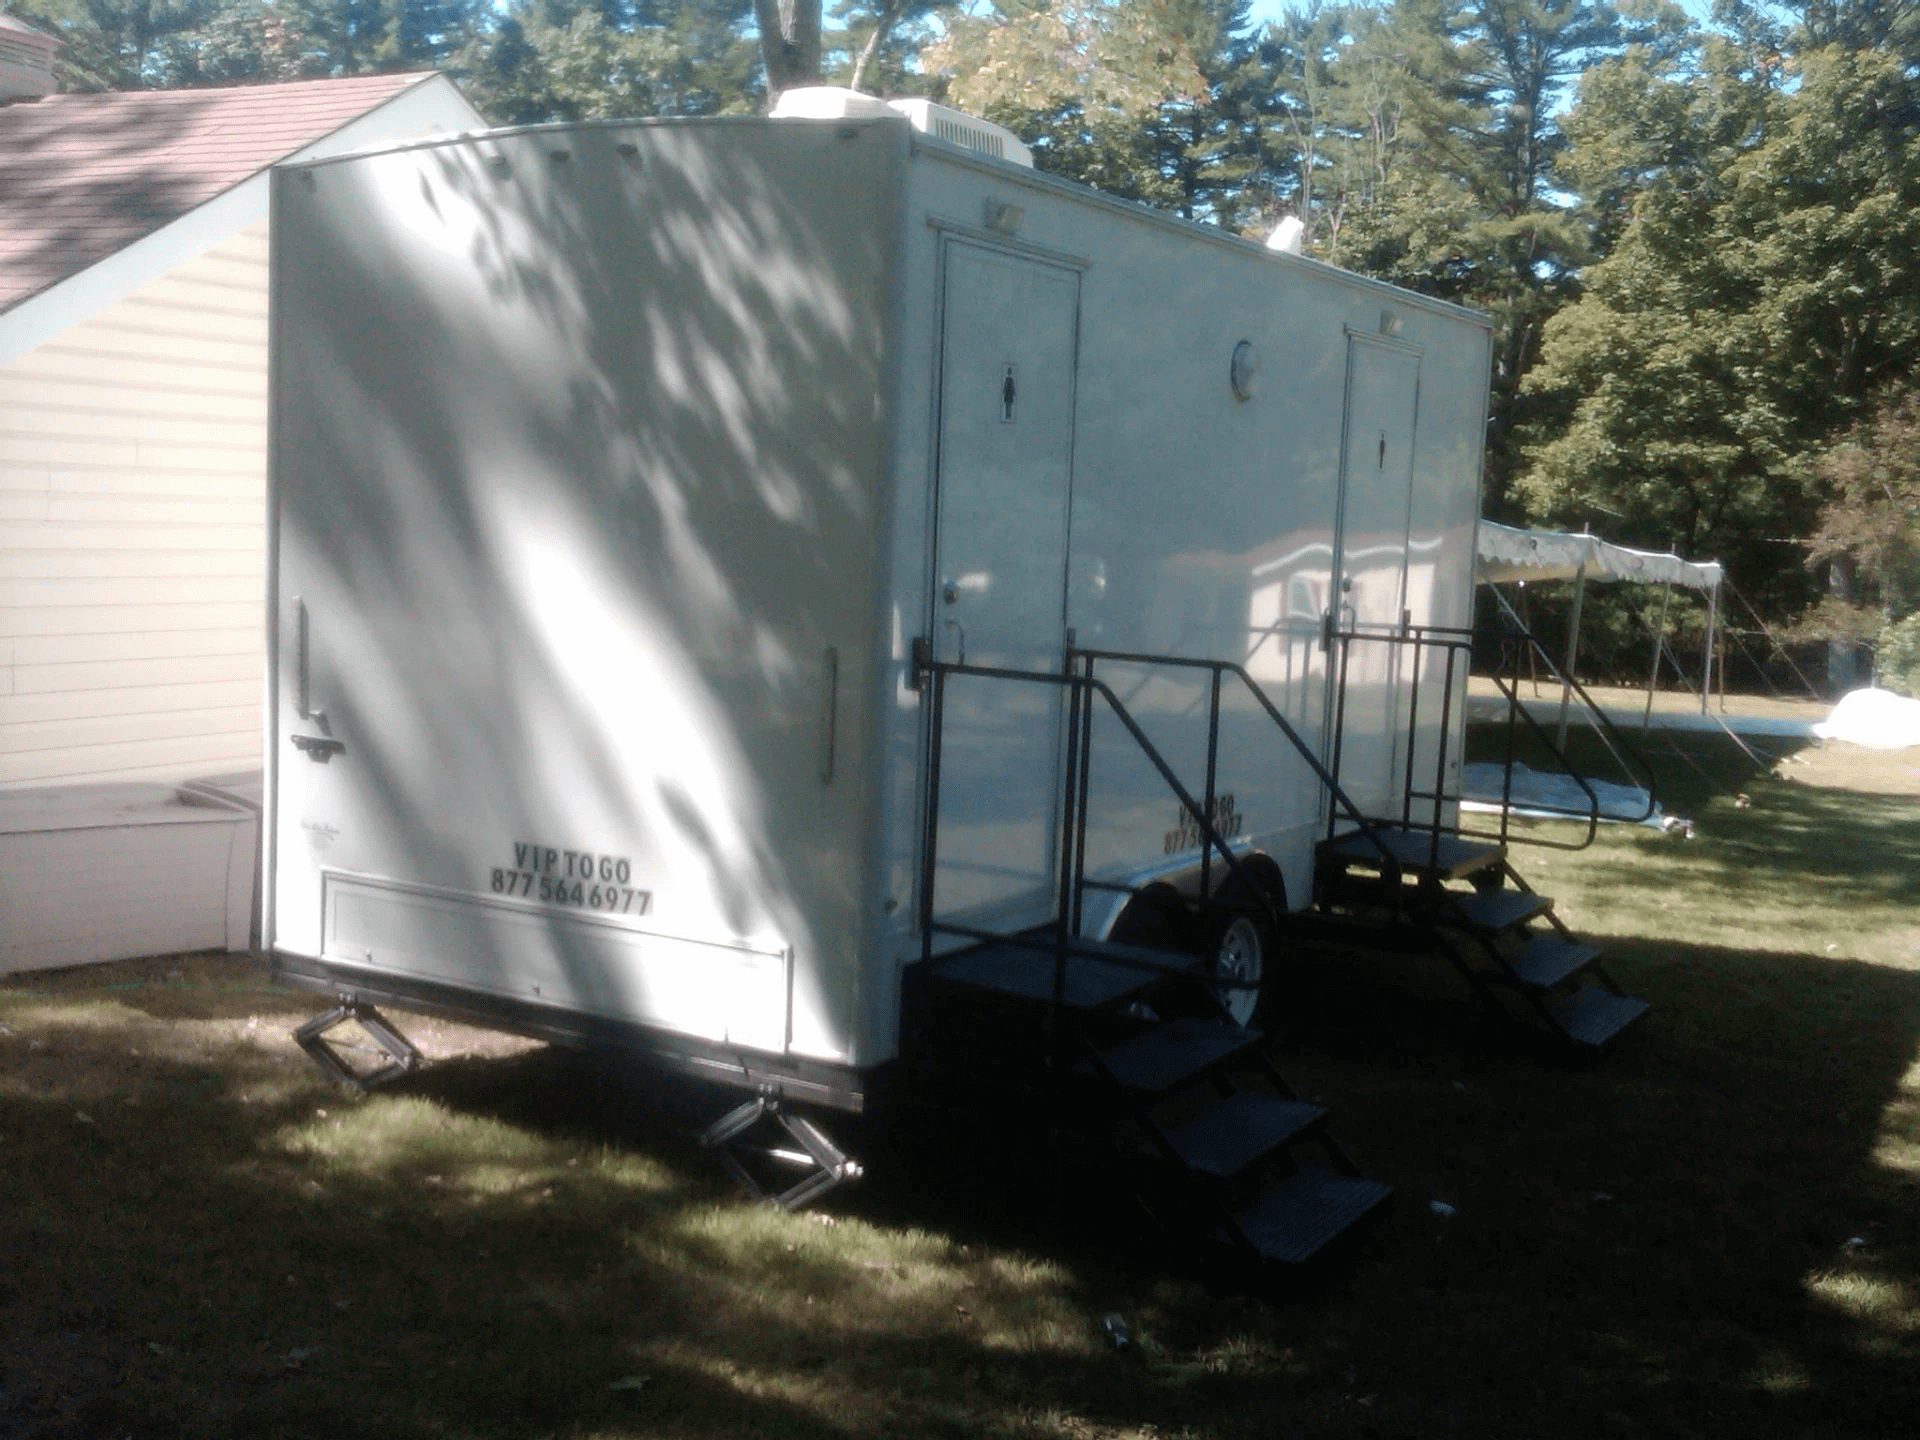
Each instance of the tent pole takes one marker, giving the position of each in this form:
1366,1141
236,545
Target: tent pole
1526,624
1659,639
1723,665
1573,652
1706,675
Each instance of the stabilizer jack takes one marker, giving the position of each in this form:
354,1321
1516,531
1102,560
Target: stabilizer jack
401,1054
825,1164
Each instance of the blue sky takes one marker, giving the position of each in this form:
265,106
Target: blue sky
1265,10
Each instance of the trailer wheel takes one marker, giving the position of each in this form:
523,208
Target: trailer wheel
1244,946
1239,969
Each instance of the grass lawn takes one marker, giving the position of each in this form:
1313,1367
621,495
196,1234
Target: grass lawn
1715,1231
1617,699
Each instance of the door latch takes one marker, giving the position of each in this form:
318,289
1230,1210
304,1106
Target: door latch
319,748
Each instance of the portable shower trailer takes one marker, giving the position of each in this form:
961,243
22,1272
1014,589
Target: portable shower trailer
720,567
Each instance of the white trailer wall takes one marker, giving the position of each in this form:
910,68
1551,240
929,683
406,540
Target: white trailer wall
619,467
578,451
1202,524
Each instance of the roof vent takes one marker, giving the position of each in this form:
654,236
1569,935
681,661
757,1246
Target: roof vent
828,102
834,102
26,61
958,128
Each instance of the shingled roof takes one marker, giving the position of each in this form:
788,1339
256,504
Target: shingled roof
82,176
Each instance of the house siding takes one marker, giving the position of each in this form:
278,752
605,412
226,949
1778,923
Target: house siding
132,532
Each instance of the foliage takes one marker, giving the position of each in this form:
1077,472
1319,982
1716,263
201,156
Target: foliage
1765,285
130,44
1137,97
345,37
116,44
1463,200
565,60
881,41
1703,274
1896,659
1872,511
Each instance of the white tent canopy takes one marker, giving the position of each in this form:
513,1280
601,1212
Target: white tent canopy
1508,554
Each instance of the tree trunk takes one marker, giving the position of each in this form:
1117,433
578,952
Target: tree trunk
1843,656
882,23
789,43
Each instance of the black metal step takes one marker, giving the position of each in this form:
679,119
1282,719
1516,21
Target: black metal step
1175,1051
1546,960
1416,852
1299,1217
1026,972
1492,911
1230,1135
1138,957
1594,1017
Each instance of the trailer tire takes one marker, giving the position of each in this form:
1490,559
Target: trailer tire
1245,947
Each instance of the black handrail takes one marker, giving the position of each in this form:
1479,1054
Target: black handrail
1390,865
932,675
1621,748
1455,639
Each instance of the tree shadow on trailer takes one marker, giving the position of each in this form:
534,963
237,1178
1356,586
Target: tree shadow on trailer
498,485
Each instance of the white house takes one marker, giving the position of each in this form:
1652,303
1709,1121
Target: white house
133,415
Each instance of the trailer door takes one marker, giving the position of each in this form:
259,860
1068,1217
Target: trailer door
1370,566
1008,343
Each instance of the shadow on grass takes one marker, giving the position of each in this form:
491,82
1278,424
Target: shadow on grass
223,1247
488,1247
1712,1227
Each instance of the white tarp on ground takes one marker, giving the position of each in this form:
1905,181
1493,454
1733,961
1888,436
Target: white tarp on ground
1509,554
1542,794
1879,719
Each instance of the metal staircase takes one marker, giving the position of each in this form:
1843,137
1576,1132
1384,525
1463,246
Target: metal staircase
1431,885
1132,1054
1136,1053
1147,1081
1464,900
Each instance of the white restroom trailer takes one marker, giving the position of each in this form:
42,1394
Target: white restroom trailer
620,473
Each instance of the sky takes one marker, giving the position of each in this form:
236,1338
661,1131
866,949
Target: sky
1265,10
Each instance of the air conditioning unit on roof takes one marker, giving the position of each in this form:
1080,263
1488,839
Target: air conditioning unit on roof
835,102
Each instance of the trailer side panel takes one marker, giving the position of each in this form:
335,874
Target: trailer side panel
578,455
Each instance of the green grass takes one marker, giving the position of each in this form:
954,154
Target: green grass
1711,1232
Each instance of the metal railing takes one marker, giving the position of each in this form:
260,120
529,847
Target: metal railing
1082,687
1413,643
1338,799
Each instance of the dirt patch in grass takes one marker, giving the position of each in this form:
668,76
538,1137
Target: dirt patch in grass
1711,1232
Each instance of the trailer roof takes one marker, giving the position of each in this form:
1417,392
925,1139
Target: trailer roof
958,155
